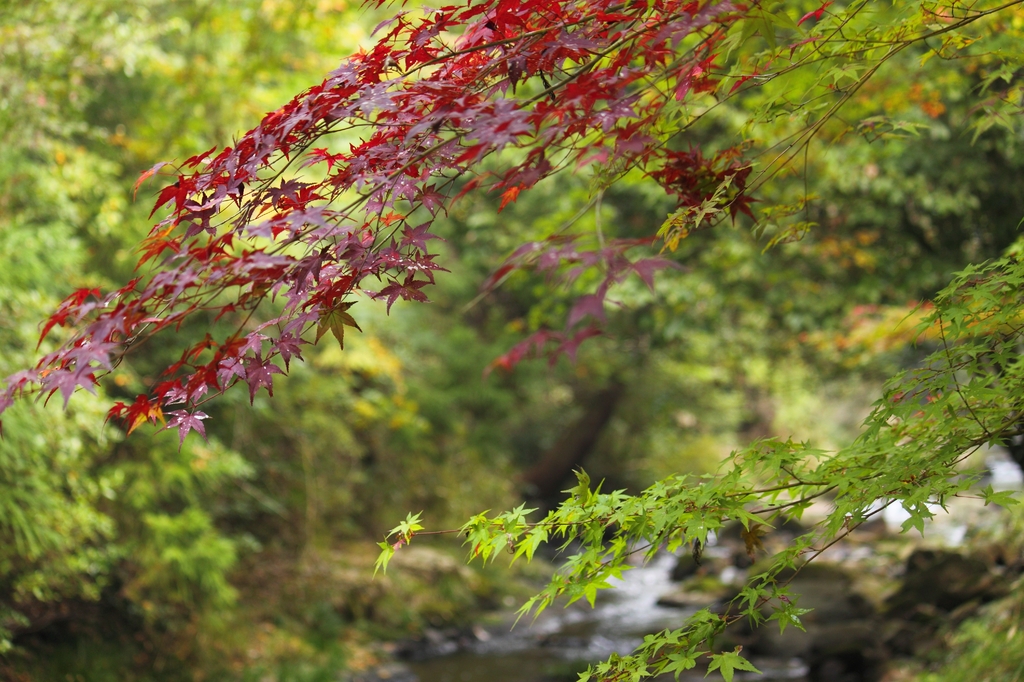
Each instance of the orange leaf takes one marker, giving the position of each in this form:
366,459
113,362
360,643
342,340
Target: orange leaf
146,175
154,414
508,196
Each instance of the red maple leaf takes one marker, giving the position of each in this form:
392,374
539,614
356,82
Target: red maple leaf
419,135
815,14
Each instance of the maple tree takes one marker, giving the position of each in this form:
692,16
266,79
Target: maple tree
491,96
569,84
430,102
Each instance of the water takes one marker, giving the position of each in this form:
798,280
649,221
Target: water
562,642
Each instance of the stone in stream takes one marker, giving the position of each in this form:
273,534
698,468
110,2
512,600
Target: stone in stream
939,589
693,598
842,639
945,580
434,643
714,577
686,567
850,651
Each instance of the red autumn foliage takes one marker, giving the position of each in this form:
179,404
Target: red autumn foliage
566,82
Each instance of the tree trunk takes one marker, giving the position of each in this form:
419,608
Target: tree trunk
546,478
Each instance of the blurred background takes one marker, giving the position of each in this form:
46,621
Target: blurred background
249,556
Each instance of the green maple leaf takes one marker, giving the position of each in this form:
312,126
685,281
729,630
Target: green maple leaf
386,552
680,662
336,319
730,662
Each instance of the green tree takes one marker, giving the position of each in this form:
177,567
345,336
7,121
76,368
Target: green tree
91,93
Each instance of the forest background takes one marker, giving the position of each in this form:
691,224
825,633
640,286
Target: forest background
251,552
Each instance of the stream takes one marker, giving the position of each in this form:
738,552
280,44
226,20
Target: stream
563,641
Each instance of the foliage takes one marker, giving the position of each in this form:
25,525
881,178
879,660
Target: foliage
91,93
965,396
715,103
163,533
298,236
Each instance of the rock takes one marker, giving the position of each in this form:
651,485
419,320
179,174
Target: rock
685,567
730,532
828,590
742,560
843,639
686,599
871,530
433,643
851,651
788,528
944,580
845,651
915,635
940,588
766,640
700,590
784,528
818,571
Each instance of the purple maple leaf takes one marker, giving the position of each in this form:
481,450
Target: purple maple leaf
187,421
289,189
92,352
176,394
646,267
6,400
19,380
432,200
591,304
418,237
289,346
410,291
228,368
253,344
67,382
260,373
